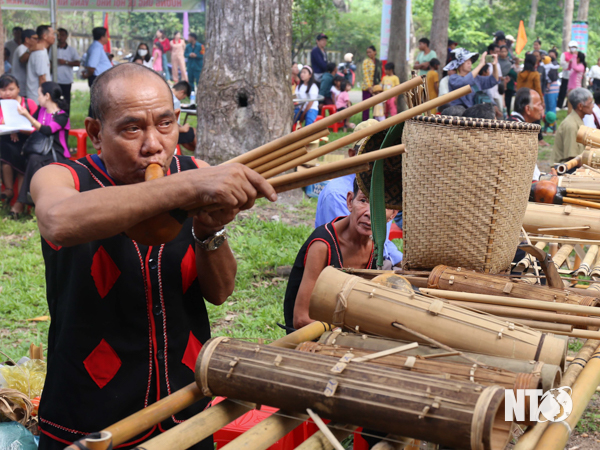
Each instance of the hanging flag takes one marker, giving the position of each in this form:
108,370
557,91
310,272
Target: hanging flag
521,38
107,45
186,26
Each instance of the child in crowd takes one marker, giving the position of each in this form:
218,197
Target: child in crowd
550,121
187,135
336,88
389,81
433,81
378,109
307,111
157,57
343,101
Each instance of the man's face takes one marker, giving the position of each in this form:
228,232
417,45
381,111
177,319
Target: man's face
534,110
587,107
503,53
50,36
495,51
62,37
537,56
501,42
16,35
139,128
536,45
322,43
422,46
192,40
453,46
104,39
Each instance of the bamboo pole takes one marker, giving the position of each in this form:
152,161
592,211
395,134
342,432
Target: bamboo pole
528,260
518,302
327,176
327,121
281,160
376,128
557,240
579,334
579,202
585,268
287,149
318,441
557,434
267,432
562,254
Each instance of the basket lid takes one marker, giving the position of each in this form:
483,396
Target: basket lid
478,123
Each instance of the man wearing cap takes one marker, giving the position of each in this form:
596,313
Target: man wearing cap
20,57
566,146
529,109
565,74
318,57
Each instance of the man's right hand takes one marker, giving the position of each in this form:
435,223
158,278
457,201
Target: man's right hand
192,55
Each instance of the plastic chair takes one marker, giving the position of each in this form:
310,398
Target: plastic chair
81,136
331,109
395,232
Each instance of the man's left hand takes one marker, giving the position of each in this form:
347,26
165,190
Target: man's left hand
208,223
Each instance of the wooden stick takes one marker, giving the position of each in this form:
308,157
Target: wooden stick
583,192
390,351
558,240
318,441
326,431
518,302
288,148
576,201
580,334
329,120
373,129
327,176
281,160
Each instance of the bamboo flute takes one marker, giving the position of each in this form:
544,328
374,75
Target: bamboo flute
518,302
329,120
376,128
580,334
287,149
327,176
281,160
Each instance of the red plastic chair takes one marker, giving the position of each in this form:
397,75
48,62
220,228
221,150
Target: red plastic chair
395,232
15,190
331,109
81,136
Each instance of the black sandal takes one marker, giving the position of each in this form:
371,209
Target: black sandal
5,197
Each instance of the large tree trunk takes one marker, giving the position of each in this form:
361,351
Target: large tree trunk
567,23
1,43
582,12
439,30
397,47
244,97
533,15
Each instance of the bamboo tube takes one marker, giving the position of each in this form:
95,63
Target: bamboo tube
596,268
591,192
557,434
267,432
531,314
373,129
318,441
528,260
552,248
579,334
579,202
518,302
545,326
330,120
327,176
529,440
287,149
585,221
562,255
281,160
103,442
585,268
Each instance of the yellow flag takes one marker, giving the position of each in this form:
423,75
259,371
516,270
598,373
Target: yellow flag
521,38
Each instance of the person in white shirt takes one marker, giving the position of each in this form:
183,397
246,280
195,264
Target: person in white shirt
593,120
20,57
443,88
38,66
15,41
494,49
67,59
566,73
308,89
595,76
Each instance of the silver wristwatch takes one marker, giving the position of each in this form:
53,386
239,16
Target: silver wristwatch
212,242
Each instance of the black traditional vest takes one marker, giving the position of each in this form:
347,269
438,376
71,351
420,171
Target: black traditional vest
128,322
328,235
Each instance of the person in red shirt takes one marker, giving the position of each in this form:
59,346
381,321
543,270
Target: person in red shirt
161,38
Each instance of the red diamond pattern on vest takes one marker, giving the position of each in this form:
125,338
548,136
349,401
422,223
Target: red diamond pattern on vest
102,364
188,270
104,271
191,352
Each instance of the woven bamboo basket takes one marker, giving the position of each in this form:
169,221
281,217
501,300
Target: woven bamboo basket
465,188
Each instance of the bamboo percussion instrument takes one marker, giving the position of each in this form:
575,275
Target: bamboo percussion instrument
567,220
588,136
550,374
528,259
455,413
356,304
586,266
548,192
562,254
320,125
462,280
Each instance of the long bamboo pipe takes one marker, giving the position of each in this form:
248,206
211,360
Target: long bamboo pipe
146,418
287,149
376,128
557,434
281,160
327,121
327,176
518,302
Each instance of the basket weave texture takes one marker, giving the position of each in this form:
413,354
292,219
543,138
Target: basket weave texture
466,185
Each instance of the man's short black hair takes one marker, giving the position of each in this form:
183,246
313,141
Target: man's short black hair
42,30
183,86
424,41
434,62
98,97
17,29
390,66
493,46
62,30
193,35
98,33
481,111
454,110
331,66
522,99
355,188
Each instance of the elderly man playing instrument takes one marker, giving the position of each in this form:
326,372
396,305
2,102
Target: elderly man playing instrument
565,143
128,320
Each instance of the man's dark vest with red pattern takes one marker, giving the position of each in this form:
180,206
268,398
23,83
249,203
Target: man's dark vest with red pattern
128,322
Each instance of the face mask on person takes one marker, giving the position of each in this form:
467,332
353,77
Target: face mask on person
142,52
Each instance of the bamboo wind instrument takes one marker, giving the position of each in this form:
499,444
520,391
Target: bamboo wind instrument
325,123
548,192
357,304
281,160
566,220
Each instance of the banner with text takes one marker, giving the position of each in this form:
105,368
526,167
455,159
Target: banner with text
108,5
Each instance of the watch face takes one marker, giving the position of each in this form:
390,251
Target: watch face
217,242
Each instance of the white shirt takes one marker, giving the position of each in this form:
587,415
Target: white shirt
11,46
588,120
38,65
334,93
312,93
65,73
443,87
595,72
19,70
565,65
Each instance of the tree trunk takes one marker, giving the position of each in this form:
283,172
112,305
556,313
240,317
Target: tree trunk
397,48
1,43
567,23
244,97
533,15
582,12
439,30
